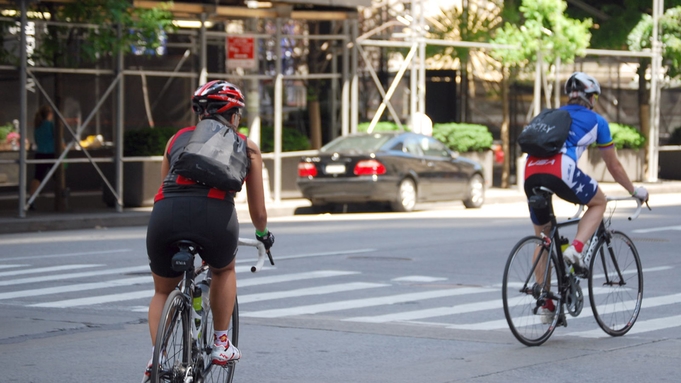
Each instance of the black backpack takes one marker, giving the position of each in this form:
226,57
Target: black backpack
214,156
546,134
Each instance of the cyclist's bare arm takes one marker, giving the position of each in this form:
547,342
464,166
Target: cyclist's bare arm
616,169
255,188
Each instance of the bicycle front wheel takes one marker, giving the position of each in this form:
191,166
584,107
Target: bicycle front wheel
173,348
616,284
214,373
529,282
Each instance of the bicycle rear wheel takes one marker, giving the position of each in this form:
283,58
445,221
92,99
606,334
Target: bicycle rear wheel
526,286
173,348
616,284
219,374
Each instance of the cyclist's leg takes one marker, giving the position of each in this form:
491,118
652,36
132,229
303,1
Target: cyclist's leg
162,288
592,217
223,293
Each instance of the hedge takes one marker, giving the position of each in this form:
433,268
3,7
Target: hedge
626,137
463,137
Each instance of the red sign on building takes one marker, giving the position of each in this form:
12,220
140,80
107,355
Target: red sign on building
241,52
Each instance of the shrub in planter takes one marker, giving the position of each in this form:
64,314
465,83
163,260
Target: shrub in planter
626,137
146,141
463,137
291,139
381,126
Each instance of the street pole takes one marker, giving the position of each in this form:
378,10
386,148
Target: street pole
655,70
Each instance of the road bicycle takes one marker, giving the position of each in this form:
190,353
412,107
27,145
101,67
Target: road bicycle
184,339
536,273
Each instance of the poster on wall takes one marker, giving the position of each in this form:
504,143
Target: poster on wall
241,52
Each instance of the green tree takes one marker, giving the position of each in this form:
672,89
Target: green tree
543,27
639,39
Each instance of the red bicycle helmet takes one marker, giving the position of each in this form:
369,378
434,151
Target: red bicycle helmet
217,97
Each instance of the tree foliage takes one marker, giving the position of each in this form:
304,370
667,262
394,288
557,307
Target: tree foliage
640,38
544,27
92,30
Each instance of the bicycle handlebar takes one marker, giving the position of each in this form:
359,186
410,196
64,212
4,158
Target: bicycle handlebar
639,204
261,252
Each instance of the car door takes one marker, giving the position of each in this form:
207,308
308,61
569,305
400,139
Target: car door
447,177
416,163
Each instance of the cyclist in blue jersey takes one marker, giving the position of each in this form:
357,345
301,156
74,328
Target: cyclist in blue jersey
561,174
186,210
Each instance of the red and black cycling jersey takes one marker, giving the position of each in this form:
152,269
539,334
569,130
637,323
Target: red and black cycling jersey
175,185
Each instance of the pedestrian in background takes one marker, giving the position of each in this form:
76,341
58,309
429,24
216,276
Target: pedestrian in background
43,137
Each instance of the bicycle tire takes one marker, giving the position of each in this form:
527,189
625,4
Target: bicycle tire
520,305
173,344
219,374
616,301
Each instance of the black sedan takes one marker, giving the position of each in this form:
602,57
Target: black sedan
400,168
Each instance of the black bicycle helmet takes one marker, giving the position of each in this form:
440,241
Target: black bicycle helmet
216,98
581,85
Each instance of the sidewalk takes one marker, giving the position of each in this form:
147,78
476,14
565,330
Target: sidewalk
84,217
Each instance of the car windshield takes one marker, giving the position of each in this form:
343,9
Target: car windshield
363,143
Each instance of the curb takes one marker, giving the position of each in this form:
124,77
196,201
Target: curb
101,218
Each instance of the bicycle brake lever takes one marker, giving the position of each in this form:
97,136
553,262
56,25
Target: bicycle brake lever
269,255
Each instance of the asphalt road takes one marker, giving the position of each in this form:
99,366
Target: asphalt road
379,297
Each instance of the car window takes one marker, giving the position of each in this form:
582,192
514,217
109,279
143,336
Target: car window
411,146
433,148
369,142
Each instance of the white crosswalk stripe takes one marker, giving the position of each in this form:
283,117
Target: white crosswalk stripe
349,295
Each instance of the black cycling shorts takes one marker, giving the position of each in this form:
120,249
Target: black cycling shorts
211,223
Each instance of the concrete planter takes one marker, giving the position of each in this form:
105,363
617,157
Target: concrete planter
632,160
141,181
486,159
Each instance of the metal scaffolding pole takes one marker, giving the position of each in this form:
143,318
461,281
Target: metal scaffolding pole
655,71
23,114
278,102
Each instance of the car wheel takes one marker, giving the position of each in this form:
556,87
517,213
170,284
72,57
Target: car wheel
406,195
476,192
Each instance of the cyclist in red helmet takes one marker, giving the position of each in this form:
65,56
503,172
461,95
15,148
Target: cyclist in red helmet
186,210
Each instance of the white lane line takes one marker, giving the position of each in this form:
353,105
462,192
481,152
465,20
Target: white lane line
39,270
11,266
654,229
418,278
429,313
77,287
639,327
325,254
291,277
317,290
149,292
66,255
57,277
360,303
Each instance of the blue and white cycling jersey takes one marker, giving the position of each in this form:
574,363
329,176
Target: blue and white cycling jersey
587,127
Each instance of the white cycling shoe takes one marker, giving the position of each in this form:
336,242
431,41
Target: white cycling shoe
222,354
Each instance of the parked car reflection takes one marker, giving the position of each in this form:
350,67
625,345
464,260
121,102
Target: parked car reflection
399,168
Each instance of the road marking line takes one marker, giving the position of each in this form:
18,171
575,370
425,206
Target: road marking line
149,292
360,303
57,277
292,277
639,327
325,254
317,290
46,269
418,278
654,229
77,287
66,255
